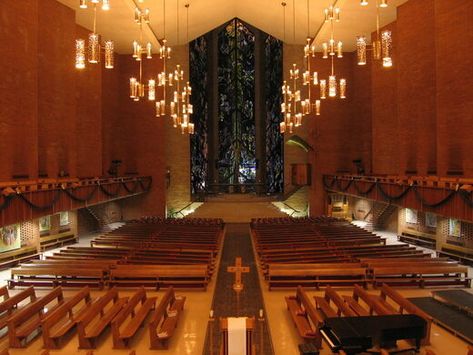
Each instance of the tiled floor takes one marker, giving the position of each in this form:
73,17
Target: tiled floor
286,339
187,340
190,333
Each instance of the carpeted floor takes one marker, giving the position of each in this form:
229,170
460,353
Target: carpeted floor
238,243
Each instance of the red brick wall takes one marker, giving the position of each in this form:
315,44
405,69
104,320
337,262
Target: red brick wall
454,76
54,117
385,126
89,115
56,89
110,108
332,132
361,120
417,116
416,82
139,139
19,88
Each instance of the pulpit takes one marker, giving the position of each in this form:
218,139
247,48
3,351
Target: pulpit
237,336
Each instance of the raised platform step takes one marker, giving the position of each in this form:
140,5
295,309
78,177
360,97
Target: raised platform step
238,197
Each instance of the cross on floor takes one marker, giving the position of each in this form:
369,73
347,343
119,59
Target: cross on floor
238,270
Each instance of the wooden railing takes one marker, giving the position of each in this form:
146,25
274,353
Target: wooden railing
29,199
451,197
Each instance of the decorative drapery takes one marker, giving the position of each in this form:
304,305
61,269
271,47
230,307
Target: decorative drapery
61,195
454,201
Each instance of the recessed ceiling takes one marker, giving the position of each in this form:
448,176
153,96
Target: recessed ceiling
204,15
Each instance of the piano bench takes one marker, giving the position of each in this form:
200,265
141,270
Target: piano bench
308,349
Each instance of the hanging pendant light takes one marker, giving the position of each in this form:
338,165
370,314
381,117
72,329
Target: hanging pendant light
310,78
138,88
94,45
332,49
165,79
292,108
381,46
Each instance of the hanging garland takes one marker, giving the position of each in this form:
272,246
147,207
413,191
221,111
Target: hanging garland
41,207
135,187
81,199
6,202
69,192
366,192
436,204
108,193
326,185
394,197
150,181
343,189
467,196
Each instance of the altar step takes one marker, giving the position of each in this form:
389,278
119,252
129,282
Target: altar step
237,212
249,197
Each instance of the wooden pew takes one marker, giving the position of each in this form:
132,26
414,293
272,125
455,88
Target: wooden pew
405,306
421,275
157,276
11,258
54,275
57,240
4,293
11,305
135,315
164,319
306,318
97,317
331,296
56,324
28,320
375,306
316,276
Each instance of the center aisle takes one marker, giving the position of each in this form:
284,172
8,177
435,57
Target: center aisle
238,243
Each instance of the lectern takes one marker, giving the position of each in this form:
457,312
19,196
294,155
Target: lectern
237,341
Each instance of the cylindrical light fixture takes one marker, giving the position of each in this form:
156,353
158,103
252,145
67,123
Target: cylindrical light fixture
315,78
361,50
324,50
384,3
339,49
83,4
317,107
132,88
80,54
109,58
151,90
94,48
332,86
282,127
363,2
386,43
105,5
343,88
149,48
323,88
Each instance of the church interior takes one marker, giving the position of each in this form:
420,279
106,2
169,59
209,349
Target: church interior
223,177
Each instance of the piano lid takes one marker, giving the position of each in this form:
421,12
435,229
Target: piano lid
356,334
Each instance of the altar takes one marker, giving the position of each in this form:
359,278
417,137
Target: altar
237,336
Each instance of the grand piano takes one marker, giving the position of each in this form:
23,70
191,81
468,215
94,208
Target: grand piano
358,334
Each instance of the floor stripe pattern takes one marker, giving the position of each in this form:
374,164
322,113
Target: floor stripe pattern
238,243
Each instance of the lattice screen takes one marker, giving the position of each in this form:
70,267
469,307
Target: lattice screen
467,234
29,231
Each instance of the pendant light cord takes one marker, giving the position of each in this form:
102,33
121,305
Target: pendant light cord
284,20
294,20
